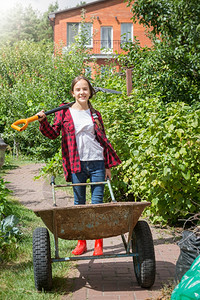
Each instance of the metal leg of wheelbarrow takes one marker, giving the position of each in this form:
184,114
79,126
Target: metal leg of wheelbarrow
111,191
125,243
53,190
127,247
55,235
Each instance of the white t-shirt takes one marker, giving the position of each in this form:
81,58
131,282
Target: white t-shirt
88,147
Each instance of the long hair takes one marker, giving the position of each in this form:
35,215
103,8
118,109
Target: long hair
92,93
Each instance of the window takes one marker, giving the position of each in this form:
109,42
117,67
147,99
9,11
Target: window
87,28
73,29
106,38
126,32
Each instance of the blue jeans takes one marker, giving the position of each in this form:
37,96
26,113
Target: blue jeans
95,170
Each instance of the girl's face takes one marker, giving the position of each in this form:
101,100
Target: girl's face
81,92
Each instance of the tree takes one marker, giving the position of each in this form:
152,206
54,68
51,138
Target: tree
45,31
174,64
26,24
11,25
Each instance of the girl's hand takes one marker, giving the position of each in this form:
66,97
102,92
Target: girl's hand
41,115
108,174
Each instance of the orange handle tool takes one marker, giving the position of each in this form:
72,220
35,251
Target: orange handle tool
23,121
36,117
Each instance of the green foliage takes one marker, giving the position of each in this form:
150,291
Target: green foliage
9,232
171,67
164,161
53,166
31,80
173,20
5,208
159,146
163,143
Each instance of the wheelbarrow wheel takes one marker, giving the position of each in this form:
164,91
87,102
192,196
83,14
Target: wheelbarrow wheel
144,263
42,259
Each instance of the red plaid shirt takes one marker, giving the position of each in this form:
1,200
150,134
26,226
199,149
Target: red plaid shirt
70,157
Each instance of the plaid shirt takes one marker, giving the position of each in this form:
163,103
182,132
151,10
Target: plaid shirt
70,157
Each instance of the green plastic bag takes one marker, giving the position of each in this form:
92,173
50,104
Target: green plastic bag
189,286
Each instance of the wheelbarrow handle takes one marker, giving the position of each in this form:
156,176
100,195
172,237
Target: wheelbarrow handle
36,117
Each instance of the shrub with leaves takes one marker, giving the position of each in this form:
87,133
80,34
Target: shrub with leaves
5,208
32,79
159,145
9,232
171,67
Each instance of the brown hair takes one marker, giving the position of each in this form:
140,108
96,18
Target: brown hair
92,93
78,78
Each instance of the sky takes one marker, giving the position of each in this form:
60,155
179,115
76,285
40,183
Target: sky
41,5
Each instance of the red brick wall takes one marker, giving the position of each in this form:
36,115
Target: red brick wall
106,11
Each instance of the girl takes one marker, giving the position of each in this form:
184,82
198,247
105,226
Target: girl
86,151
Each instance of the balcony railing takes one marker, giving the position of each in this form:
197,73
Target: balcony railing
106,47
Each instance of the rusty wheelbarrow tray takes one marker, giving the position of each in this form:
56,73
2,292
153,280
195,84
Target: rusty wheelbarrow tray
94,221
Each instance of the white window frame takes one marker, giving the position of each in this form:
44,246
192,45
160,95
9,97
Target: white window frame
123,38
71,24
91,34
106,49
89,45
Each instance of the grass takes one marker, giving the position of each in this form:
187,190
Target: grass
16,269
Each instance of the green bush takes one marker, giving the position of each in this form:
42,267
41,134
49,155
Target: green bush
159,146
5,208
172,66
33,79
9,232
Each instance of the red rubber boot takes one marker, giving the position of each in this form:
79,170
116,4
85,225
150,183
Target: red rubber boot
98,247
80,248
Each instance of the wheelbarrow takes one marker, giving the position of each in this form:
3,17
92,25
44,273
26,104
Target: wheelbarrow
93,221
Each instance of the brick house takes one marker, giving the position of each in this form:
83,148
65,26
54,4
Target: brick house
108,24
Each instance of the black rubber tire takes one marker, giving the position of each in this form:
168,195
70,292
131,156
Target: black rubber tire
144,264
42,259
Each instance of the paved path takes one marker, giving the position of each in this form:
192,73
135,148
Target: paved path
105,279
